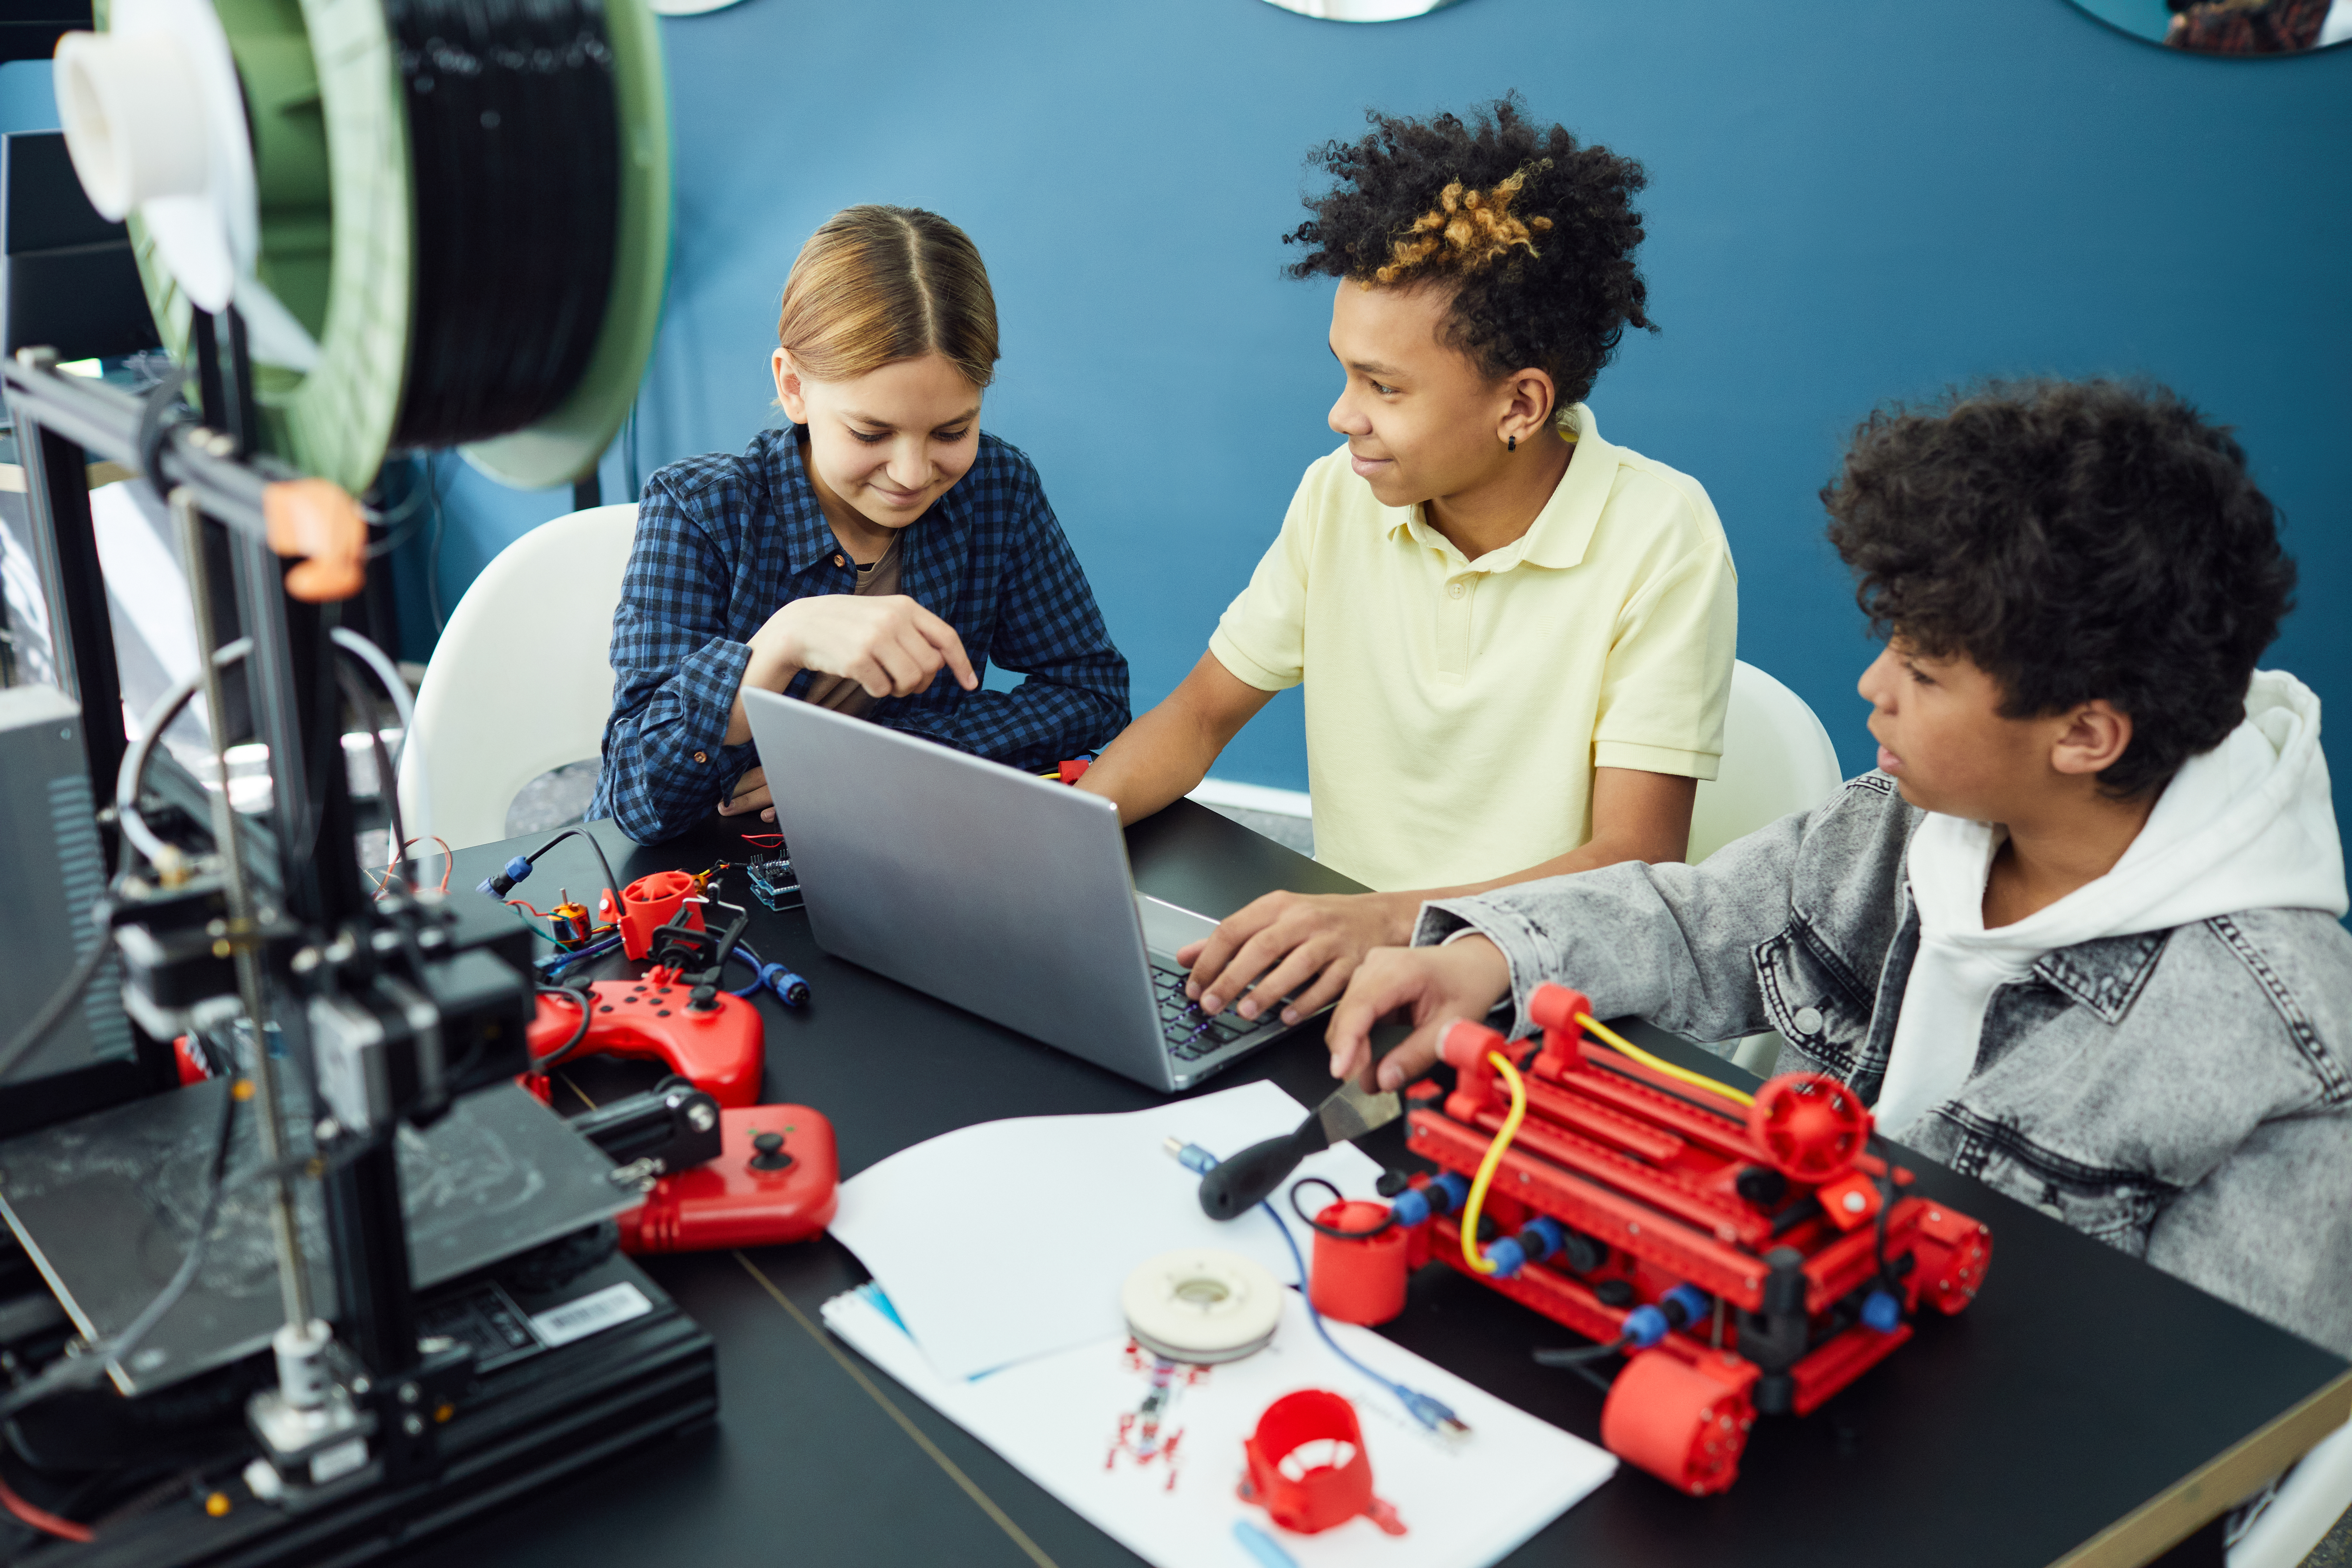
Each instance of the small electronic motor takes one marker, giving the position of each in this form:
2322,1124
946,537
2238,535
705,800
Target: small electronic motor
570,922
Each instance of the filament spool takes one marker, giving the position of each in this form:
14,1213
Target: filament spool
481,261
1201,1306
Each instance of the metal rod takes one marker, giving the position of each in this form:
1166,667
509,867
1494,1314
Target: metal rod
81,625
238,415
104,420
244,935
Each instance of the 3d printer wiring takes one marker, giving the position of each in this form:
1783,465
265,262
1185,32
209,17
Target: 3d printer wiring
392,867
77,981
69,1371
41,1519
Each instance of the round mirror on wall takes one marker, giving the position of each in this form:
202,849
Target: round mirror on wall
1362,10
2229,26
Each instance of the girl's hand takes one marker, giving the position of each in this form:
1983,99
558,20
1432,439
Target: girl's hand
1434,986
751,795
890,645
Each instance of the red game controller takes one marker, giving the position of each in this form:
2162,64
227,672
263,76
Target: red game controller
720,1049
774,1181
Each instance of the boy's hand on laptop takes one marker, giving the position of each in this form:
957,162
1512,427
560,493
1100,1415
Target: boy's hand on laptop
1433,986
891,646
1292,944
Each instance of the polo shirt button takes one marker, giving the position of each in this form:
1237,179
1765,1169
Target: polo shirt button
702,756
837,561
1453,590
1807,1020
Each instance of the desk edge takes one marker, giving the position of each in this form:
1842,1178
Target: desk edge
2218,1485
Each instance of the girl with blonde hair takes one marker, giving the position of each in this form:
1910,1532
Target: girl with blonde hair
874,557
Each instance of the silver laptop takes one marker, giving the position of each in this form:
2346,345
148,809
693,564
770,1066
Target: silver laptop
1006,894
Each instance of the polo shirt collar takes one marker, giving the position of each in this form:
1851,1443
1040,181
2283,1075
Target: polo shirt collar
1563,531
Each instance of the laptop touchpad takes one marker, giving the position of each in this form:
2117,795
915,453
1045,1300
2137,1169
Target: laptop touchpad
1167,928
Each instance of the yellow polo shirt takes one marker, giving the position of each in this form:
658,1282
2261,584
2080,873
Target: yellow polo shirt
1456,709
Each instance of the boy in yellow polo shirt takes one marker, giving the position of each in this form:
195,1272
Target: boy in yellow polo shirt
1515,639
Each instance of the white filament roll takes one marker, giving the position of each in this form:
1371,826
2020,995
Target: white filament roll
154,120
1201,1307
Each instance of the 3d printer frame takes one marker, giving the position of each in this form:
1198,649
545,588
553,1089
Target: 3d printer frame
342,967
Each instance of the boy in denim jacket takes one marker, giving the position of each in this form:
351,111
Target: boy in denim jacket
2076,935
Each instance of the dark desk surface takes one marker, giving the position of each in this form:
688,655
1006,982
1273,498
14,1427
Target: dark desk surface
2087,1409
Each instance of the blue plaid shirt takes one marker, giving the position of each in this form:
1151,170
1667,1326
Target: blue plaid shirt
724,542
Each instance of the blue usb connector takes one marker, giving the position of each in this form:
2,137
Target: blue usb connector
1432,1412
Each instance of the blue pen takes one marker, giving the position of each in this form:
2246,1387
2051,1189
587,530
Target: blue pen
1261,1546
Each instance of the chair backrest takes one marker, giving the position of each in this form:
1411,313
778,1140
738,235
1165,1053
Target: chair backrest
2314,1496
519,682
1777,759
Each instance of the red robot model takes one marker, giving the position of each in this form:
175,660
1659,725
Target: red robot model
1745,1258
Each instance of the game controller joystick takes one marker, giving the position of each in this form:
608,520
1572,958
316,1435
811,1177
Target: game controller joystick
774,1181
718,1048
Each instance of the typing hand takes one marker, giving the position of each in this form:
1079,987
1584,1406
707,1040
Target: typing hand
1432,985
750,793
891,646
1292,944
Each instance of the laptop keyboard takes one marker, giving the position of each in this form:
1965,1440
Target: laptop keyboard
1191,1034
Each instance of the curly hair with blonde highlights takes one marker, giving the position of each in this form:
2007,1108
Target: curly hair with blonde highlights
1532,231
1466,231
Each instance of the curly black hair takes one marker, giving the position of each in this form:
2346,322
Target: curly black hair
1546,277
2074,540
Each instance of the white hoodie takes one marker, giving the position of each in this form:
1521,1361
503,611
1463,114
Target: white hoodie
2249,825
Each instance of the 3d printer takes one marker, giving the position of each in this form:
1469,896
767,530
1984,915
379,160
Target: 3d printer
352,1285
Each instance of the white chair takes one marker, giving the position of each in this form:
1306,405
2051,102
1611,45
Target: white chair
520,682
2307,1504
1777,759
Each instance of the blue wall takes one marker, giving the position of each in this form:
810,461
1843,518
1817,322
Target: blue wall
26,101
1848,203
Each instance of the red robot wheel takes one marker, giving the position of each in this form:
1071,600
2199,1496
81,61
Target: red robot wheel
1675,1421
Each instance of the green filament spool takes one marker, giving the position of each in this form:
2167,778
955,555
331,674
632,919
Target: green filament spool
438,324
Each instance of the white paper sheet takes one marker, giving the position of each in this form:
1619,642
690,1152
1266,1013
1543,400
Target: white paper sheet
1072,1422
1010,1239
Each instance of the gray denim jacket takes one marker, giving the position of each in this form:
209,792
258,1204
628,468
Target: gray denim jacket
2184,1095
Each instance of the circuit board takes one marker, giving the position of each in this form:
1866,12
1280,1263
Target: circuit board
773,881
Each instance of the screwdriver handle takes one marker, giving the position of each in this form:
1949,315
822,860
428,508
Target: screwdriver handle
1238,1184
